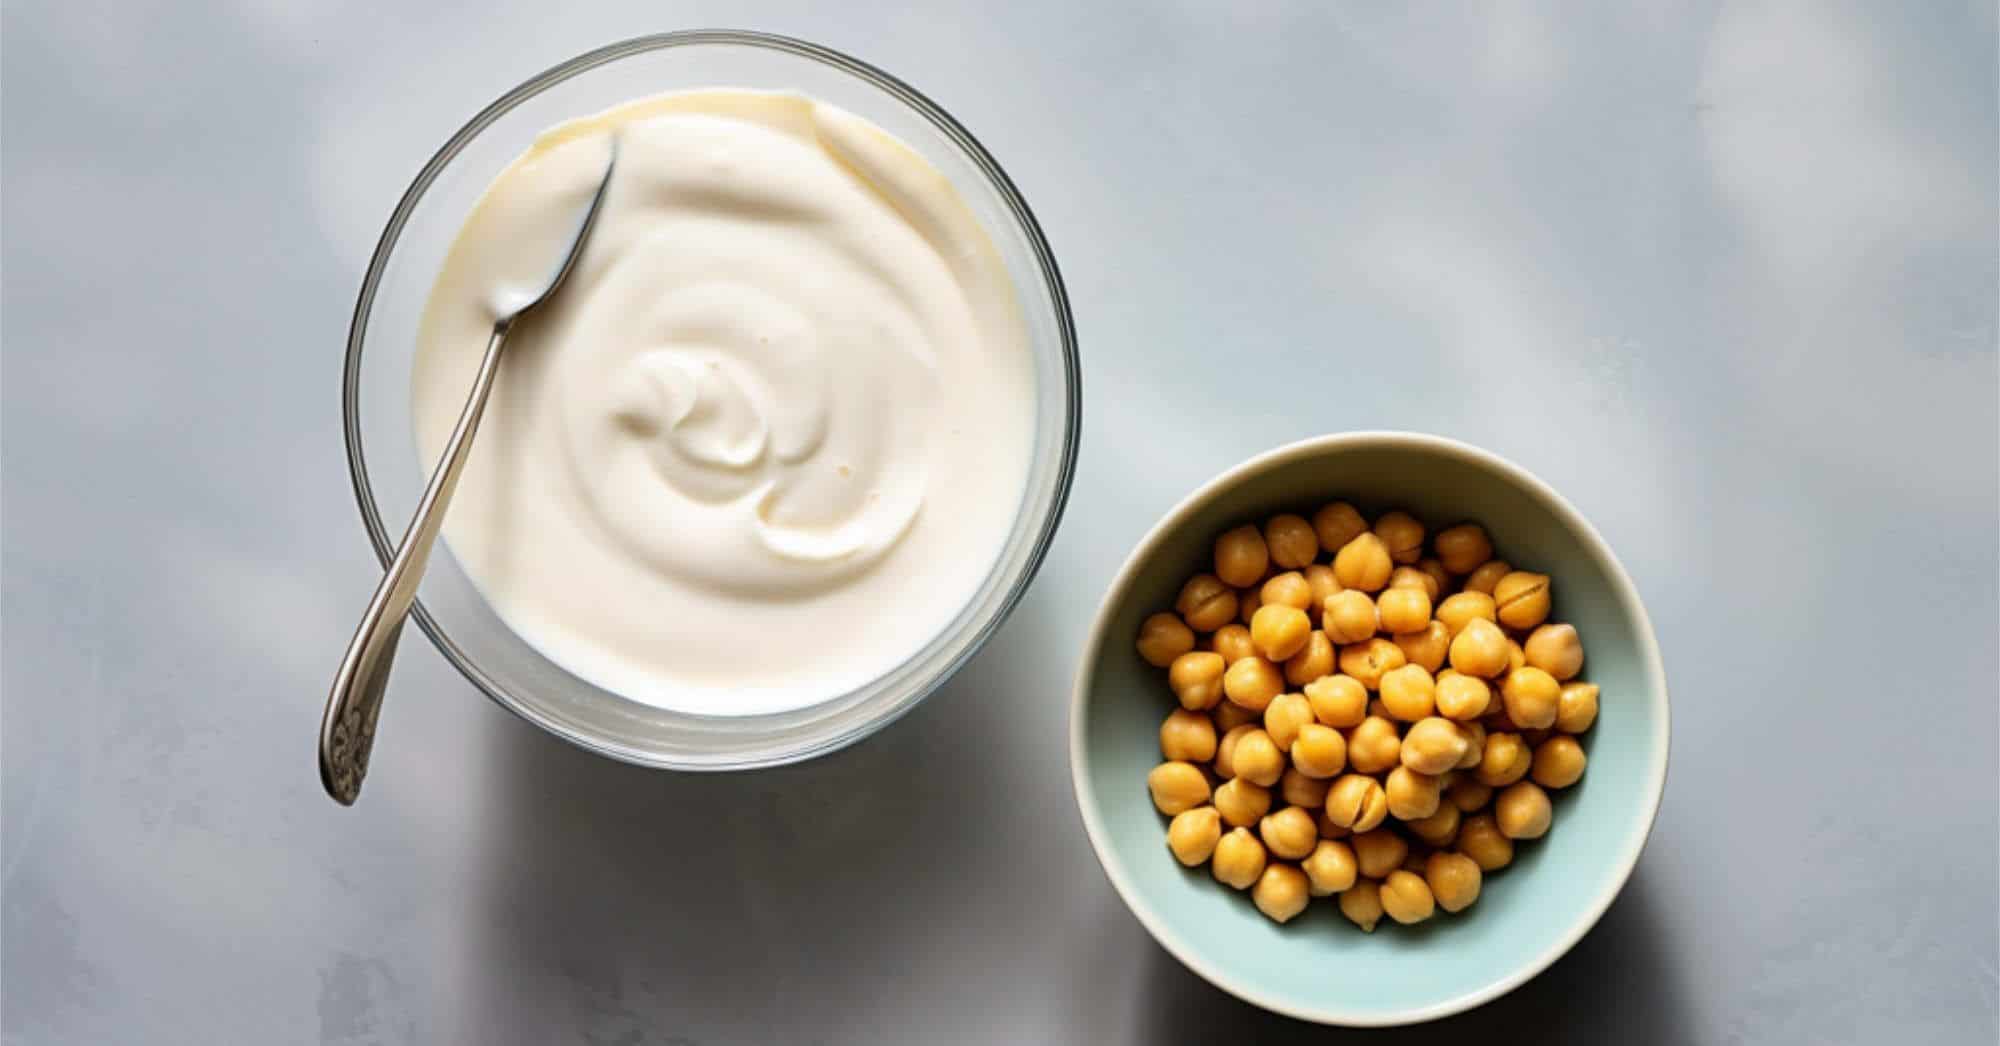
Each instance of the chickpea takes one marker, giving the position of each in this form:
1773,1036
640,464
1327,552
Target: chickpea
1290,589
1327,829
1406,897
1187,737
1440,577
1316,659
1408,693
1241,557
1196,679
1247,602
1576,707
1379,710
1322,582
1453,879
1348,616
1257,758
1302,789
1338,700
1516,657
1413,577
1414,862
1283,717
1229,715
1280,892
1329,869
1475,746
1225,750
1191,835
1505,761
1403,611
1378,852
1239,859
1362,904
1469,794
1402,535
1177,786
1240,803
1522,810
1460,608
1163,637
1523,599
1355,802
1291,540
1439,829
1412,796
1531,697
1233,643
1205,603
1479,838
1463,548
1427,648
1337,524
1433,746
1369,661
1252,682
1363,563
1558,762
1555,649
1319,751
1486,575
1480,649
1373,747
1279,631
1462,697
1289,833
1534,738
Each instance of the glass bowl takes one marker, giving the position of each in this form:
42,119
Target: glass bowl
381,443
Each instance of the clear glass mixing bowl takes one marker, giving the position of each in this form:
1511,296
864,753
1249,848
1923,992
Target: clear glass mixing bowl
388,477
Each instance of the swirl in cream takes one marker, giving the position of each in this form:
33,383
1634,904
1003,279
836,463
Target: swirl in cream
774,430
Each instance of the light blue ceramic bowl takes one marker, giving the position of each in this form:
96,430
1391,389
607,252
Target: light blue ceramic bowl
1319,967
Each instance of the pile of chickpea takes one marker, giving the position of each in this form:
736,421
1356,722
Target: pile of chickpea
1399,802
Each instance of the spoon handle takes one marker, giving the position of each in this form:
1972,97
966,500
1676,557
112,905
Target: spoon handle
347,732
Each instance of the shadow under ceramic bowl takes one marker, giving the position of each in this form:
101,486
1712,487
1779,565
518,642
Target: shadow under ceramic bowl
388,476
1320,967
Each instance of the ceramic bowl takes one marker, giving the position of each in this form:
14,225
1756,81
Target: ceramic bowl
1320,967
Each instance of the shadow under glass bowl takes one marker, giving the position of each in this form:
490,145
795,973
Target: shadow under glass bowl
381,446
1319,967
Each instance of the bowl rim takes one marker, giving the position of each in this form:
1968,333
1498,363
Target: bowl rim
1071,376
1085,795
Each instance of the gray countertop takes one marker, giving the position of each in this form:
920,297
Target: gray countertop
1725,276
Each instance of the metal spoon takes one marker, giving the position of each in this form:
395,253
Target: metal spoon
347,732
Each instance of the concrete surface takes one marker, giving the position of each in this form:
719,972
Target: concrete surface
1725,275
